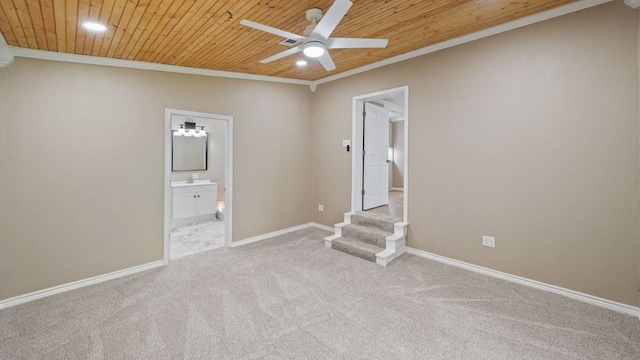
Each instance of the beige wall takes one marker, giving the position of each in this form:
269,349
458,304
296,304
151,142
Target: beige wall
83,164
215,154
530,136
397,138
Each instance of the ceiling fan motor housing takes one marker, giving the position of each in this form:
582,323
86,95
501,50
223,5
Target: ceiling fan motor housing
314,14
316,40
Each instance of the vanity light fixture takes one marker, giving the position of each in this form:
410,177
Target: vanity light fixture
180,131
201,132
189,129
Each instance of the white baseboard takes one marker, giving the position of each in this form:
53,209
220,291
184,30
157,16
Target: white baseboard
397,189
269,235
590,299
21,299
322,227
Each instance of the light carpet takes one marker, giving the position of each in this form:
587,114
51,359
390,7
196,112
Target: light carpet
290,297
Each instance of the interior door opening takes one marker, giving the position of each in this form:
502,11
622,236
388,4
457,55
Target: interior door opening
198,182
380,149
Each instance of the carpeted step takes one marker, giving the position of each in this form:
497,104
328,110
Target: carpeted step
356,248
369,235
379,221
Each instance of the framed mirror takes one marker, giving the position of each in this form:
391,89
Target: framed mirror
189,153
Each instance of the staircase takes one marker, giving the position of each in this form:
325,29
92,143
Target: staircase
373,237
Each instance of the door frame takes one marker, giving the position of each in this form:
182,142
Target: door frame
228,176
356,146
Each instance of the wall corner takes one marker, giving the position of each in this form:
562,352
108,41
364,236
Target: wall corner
632,3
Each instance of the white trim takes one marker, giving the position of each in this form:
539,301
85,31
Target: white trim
632,3
590,299
356,146
395,244
228,176
321,227
546,15
6,53
405,185
397,189
21,299
95,60
270,235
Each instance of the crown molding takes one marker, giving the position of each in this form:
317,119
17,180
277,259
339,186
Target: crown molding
96,60
6,55
546,15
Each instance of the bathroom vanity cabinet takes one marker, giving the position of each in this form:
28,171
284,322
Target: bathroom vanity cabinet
193,202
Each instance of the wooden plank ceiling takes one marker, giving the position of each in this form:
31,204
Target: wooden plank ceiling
207,34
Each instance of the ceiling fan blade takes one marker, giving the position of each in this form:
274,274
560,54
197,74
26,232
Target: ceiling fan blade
331,19
355,43
327,61
272,30
275,57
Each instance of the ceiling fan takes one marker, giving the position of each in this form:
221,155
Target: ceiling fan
316,40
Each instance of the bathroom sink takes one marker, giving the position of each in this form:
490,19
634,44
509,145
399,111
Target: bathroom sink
195,183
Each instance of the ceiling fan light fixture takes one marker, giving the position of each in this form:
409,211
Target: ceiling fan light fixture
313,49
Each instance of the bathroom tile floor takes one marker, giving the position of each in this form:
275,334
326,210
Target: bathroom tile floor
195,238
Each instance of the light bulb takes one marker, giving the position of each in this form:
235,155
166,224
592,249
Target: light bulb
94,26
313,49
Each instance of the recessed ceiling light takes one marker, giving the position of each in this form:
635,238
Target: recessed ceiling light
94,26
301,62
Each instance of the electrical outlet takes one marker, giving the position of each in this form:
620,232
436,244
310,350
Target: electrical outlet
320,207
489,241
195,175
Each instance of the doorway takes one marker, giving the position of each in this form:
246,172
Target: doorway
380,153
198,182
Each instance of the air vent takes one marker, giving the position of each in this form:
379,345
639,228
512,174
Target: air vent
288,42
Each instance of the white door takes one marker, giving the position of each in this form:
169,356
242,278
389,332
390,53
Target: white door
375,179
